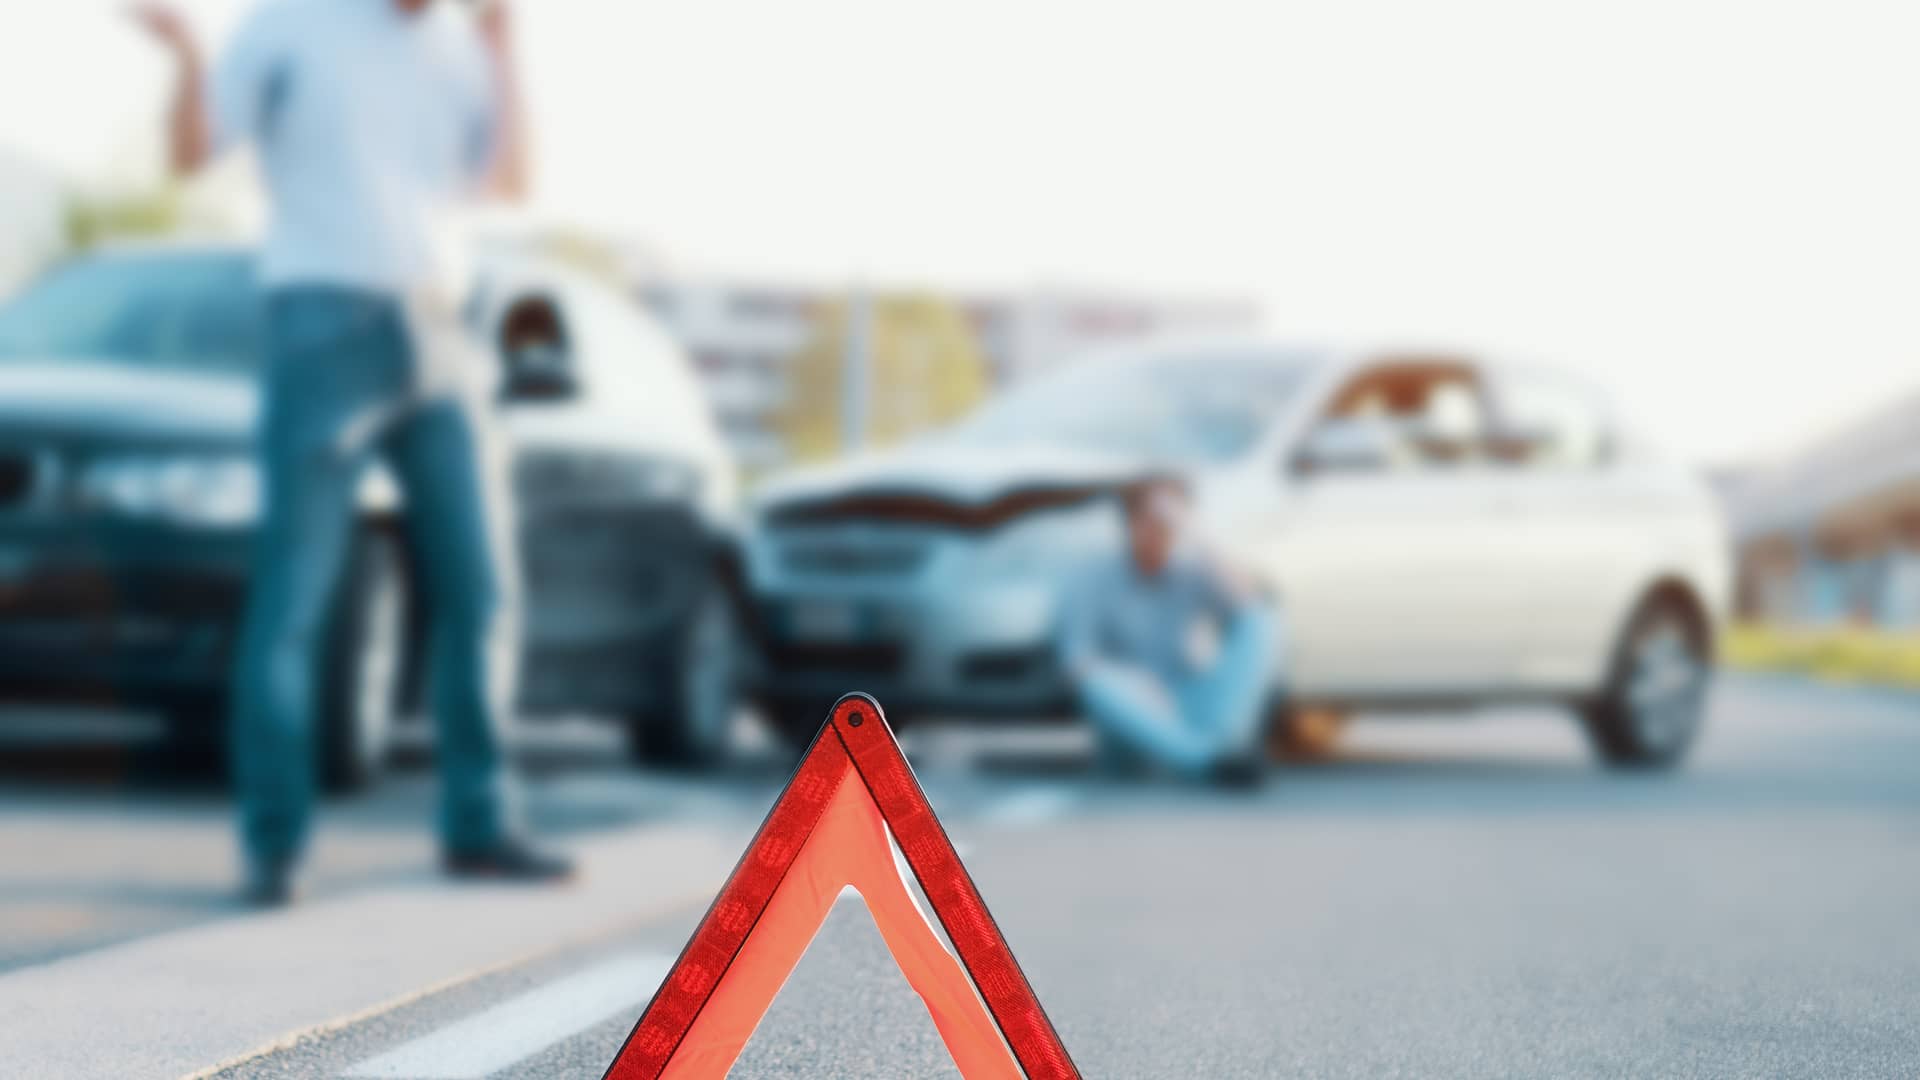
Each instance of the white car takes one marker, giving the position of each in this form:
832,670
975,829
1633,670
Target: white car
1439,532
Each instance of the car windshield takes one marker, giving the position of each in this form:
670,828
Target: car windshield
175,310
1181,408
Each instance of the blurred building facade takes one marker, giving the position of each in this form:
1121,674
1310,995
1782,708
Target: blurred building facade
32,218
770,355
879,369
1831,535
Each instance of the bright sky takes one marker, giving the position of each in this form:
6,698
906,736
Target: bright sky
1710,206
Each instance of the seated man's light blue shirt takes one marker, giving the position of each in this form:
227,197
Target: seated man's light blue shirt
372,126
1119,615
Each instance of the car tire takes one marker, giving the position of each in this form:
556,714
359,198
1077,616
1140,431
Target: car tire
362,677
1655,699
196,742
794,722
692,727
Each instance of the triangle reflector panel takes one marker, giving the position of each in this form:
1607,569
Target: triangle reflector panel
829,829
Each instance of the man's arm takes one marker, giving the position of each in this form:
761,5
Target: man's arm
507,175
189,143
1079,632
1230,589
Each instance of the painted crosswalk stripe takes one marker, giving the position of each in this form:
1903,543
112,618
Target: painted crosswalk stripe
516,1029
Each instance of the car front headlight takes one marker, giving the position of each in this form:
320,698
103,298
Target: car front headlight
1051,542
190,489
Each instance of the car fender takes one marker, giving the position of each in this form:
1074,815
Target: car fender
1668,580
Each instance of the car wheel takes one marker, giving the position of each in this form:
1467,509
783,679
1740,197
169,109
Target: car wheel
196,741
1652,707
693,728
794,722
361,675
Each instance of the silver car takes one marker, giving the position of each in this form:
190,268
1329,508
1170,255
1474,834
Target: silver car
1441,530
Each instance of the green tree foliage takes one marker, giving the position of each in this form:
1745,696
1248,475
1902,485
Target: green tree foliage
92,220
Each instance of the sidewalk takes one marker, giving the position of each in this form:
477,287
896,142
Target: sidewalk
187,1001
94,852
82,874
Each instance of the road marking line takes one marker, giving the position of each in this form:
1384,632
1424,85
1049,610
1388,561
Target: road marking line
518,1028
1030,807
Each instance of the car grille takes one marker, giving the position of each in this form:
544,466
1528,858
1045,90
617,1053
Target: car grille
1007,665
875,659
613,570
838,558
570,478
16,479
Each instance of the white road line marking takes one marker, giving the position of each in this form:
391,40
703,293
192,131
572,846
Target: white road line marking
1030,807
518,1028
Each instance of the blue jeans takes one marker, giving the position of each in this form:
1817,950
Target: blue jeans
1192,723
339,390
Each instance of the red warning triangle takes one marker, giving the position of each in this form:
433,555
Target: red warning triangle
829,830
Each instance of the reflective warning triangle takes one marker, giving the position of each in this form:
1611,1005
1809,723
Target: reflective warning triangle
829,829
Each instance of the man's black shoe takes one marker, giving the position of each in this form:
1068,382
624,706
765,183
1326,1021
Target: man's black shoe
510,860
1242,772
269,884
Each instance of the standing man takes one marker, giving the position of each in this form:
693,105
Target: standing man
1169,653
374,120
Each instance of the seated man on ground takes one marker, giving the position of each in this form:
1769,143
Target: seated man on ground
1169,652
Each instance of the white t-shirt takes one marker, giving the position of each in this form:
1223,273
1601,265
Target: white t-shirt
372,127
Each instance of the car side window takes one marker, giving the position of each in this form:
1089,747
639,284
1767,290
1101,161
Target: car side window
1552,422
1401,417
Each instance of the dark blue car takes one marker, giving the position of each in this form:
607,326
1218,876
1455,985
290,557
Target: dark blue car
129,492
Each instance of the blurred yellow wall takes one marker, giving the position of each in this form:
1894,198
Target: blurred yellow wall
927,369
1839,653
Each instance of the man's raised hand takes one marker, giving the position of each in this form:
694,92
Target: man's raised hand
164,23
496,25
189,144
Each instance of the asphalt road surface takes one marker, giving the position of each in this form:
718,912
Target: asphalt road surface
1437,899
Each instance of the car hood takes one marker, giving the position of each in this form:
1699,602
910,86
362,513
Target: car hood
948,473
117,401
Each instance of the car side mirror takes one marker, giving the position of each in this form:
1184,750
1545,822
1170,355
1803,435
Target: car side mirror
1345,446
540,372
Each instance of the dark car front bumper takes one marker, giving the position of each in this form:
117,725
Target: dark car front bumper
118,613
143,615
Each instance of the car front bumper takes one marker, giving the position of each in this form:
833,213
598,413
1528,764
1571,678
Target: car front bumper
133,615
144,615
976,650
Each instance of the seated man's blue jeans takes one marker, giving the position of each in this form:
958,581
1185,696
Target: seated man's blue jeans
339,389
1195,722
